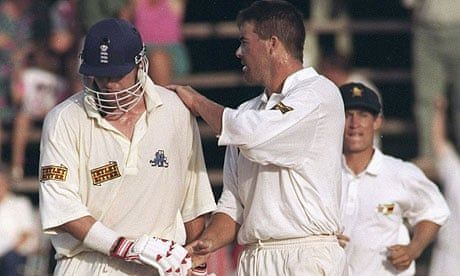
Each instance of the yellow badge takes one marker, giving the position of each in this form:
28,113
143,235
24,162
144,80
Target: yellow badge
58,173
105,173
282,107
386,209
357,92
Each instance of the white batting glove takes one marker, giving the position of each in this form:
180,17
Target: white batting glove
168,257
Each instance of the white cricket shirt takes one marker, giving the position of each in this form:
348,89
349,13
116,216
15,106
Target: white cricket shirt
282,165
375,204
149,185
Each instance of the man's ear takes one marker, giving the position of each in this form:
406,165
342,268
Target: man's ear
378,121
274,43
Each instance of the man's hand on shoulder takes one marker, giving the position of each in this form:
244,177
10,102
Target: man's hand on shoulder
188,96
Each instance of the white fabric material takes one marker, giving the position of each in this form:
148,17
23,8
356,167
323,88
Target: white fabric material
446,252
94,263
314,255
162,179
16,218
282,171
374,204
100,238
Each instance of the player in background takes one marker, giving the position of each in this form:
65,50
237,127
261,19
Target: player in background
379,193
446,252
123,182
282,166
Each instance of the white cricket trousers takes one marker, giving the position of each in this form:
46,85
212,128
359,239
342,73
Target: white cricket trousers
314,255
94,263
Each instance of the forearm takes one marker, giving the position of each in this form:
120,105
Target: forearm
211,113
92,233
220,232
194,228
424,234
78,228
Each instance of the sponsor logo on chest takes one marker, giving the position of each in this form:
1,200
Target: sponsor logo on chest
105,173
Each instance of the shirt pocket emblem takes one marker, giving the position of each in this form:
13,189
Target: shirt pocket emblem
282,107
386,208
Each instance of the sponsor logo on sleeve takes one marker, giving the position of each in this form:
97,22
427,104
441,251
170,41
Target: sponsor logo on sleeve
51,172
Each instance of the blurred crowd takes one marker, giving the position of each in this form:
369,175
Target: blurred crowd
39,54
39,57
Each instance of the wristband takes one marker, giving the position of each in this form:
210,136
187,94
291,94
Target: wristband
101,238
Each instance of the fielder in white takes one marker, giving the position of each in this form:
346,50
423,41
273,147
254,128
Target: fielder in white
123,182
380,193
445,259
282,165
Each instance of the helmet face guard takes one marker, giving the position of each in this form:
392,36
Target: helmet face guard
117,102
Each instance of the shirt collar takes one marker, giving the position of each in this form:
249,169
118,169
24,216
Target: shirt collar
297,77
290,81
373,168
376,162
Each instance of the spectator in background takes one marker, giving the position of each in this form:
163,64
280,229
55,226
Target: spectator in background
168,54
446,253
15,25
338,68
91,11
18,231
379,193
436,55
41,89
65,40
323,12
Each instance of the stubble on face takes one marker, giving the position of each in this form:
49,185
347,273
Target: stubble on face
252,52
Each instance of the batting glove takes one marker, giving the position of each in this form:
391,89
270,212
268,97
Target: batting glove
168,257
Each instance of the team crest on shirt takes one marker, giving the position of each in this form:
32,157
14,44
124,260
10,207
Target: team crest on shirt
105,173
159,160
386,209
51,172
282,107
